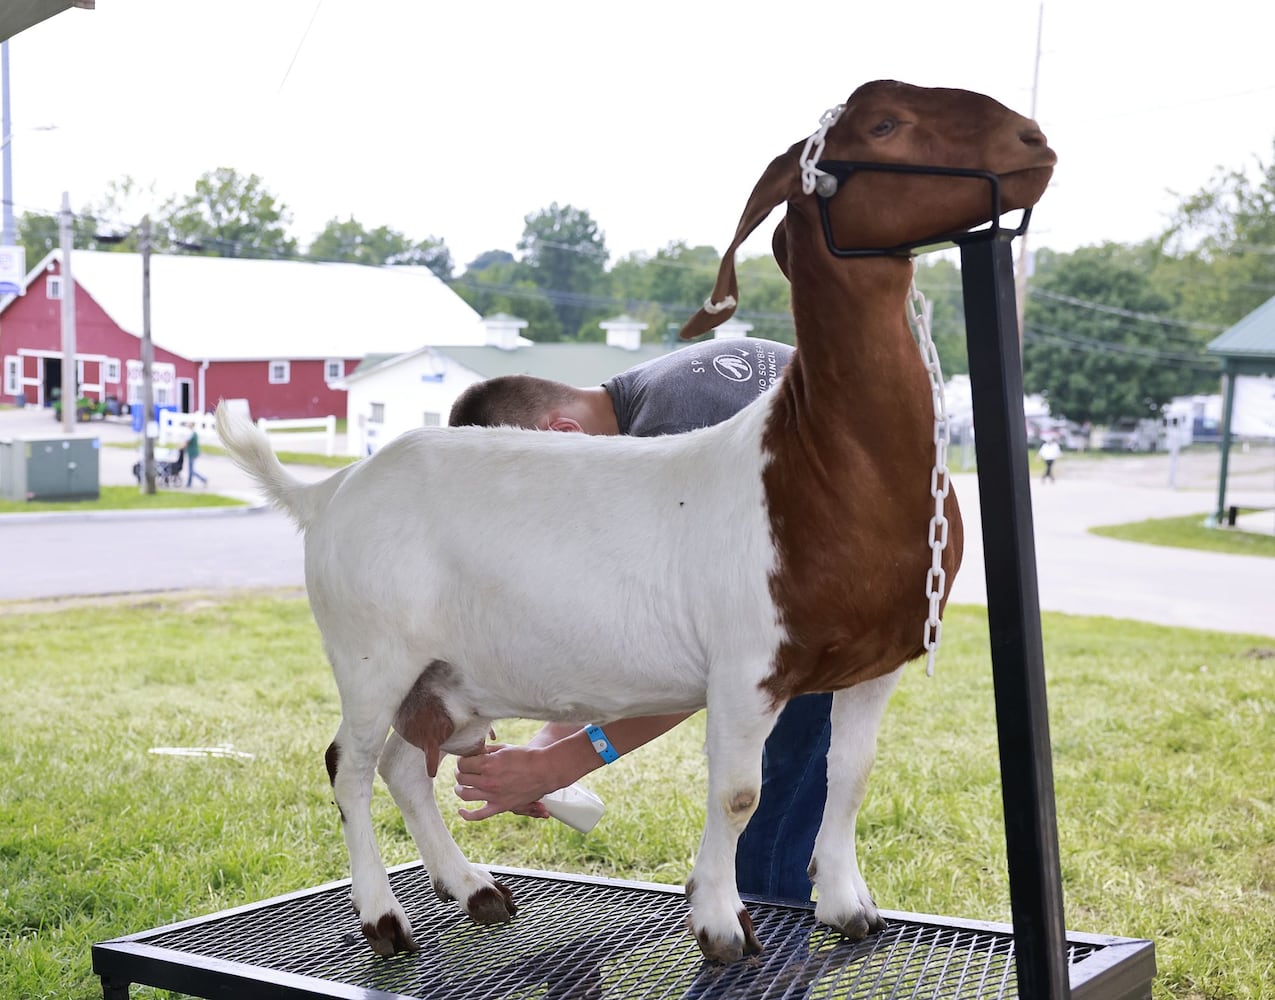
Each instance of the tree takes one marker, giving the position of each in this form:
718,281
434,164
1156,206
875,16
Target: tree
38,234
1099,343
489,258
939,280
502,286
351,241
1221,248
231,215
765,298
430,252
565,255
663,291
115,217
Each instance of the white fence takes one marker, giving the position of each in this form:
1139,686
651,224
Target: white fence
301,429
174,428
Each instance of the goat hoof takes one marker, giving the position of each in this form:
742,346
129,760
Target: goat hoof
492,905
731,949
389,935
860,925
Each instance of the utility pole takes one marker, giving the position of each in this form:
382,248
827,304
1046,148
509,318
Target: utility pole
10,236
70,389
1020,273
148,362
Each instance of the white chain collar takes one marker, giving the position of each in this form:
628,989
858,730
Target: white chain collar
813,151
940,481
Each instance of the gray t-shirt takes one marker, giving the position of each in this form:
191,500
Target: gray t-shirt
695,386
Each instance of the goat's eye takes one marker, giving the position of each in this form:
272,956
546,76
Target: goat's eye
884,127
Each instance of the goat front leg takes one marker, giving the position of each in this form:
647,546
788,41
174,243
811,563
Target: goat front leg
406,773
351,761
739,719
843,898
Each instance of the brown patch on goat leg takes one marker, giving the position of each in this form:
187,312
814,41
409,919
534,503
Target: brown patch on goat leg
492,905
742,802
751,945
331,759
388,936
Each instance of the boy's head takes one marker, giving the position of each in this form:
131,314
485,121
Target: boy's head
513,401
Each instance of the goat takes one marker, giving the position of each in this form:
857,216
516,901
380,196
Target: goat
464,575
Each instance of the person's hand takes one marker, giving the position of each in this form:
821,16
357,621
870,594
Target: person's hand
506,779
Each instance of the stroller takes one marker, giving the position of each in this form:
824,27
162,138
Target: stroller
168,471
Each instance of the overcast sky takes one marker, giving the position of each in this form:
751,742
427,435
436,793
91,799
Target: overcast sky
459,119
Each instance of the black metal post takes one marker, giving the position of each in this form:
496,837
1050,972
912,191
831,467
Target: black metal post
1013,613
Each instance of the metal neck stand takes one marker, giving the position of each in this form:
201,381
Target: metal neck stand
1013,613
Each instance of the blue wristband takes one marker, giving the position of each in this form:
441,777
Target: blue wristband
601,744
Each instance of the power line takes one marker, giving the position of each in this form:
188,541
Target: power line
1088,345
1124,313
304,35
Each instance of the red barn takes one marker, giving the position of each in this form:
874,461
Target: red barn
278,333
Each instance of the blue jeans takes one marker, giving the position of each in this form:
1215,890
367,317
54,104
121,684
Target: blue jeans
775,849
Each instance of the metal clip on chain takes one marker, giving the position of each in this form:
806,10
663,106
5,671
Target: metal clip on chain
940,481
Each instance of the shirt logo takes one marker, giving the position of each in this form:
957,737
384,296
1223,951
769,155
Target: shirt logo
733,367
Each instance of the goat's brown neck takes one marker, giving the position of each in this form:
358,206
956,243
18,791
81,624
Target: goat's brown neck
857,374
850,448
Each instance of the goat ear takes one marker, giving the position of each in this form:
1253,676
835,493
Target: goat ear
776,186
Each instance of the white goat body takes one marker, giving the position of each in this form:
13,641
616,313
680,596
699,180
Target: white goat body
468,574
530,561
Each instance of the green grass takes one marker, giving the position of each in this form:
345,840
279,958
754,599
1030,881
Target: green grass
286,457
304,458
1191,532
123,498
1163,764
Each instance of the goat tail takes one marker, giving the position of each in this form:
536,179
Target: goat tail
250,449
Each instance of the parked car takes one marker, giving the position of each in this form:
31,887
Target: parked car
1070,435
1129,434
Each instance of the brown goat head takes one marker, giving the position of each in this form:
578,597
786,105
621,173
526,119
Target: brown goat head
887,122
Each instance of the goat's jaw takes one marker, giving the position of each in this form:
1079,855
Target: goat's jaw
1023,188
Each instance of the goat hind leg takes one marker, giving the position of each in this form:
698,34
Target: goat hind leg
404,768
351,761
843,898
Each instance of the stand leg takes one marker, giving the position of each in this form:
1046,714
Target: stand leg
1013,613
114,989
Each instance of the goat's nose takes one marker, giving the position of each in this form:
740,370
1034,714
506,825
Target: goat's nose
1031,135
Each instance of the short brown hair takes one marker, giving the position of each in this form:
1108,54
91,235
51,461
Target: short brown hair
509,401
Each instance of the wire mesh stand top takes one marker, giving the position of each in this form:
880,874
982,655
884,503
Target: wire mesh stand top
574,937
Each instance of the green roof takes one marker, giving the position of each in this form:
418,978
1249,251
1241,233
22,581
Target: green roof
1252,338
574,364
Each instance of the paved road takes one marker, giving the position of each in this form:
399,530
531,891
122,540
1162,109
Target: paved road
49,556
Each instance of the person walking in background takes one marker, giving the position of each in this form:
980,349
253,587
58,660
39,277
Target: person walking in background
192,453
1049,452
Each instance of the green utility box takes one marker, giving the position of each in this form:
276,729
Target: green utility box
58,469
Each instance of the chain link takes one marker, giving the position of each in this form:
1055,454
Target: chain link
940,482
813,151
